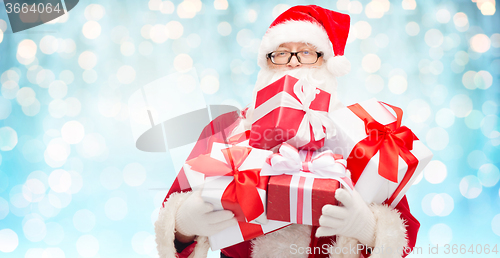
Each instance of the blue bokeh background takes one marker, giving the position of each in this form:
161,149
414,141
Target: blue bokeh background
73,184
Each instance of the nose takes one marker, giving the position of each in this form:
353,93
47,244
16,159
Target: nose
294,62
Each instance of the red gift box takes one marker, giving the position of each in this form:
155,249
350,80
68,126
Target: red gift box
290,110
286,196
302,182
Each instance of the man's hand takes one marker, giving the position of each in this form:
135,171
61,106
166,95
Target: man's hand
354,219
196,217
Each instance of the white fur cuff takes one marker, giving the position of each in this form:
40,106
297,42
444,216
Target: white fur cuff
165,229
390,232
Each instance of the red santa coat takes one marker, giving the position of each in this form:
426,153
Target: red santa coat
396,229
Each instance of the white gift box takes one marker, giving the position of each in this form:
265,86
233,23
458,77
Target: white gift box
212,189
351,130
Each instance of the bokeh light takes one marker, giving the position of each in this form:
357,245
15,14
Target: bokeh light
92,146
476,159
435,172
488,175
87,246
25,96
143,243
175,29
127,48
495,224
27,49
59,180
134,174
87,60
418,110
8,138
371,63
57,151
437,138
470,187
442,204
480,43
111,178
9,89
116,208
461,105
34,229
49,45
483,80
440,234
374,83
58,89
398,84
126,74
84,220
445,117
94,12
461,21
4,208
72,132
209,84
91,29
224,28
412,28
8,240
363,29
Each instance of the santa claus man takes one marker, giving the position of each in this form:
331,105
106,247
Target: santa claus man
305,42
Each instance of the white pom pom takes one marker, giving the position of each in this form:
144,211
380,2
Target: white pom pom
339,65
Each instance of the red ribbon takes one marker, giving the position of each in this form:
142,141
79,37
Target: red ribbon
241,194
392,141
250,231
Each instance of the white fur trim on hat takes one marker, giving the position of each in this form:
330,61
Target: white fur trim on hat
294,31
338,65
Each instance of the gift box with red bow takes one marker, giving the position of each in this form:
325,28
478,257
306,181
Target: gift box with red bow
384,157
229,178
293,111
302,182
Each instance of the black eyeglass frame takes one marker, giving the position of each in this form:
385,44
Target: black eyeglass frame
319,54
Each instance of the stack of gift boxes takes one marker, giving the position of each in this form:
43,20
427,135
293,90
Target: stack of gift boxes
297,155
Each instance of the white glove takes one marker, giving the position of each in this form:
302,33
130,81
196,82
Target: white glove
197,217
354,219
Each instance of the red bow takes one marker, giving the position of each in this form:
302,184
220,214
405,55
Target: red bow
241,195
391,141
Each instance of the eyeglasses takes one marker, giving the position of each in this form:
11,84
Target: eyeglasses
284,57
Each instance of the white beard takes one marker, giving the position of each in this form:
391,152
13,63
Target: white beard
320,77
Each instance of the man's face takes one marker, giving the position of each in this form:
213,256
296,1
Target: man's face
294,63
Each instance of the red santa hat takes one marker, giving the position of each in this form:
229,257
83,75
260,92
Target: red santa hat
327,30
